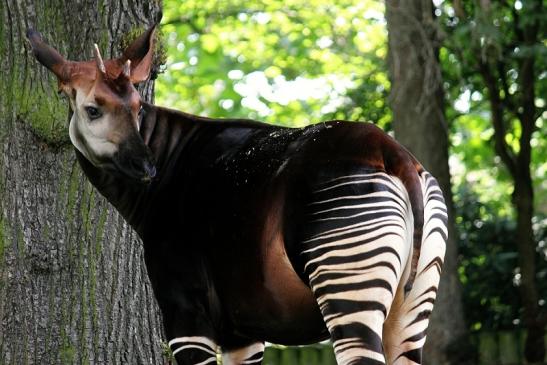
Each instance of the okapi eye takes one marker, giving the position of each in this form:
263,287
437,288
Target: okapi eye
92,112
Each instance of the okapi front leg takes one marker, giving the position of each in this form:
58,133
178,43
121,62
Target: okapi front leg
247,355
194,350
359,238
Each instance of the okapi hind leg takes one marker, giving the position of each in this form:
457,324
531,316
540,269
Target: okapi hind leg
248,355
359,236
405,327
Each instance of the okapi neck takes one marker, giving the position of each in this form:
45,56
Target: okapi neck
125,196
164,132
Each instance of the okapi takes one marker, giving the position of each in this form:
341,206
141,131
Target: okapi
254,232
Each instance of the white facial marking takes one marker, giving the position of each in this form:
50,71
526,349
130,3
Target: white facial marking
90,137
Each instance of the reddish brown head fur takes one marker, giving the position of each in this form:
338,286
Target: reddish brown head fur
106,105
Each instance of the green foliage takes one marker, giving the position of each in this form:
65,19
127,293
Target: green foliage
489,268
167,353
476,167
491,34
291,63
487,39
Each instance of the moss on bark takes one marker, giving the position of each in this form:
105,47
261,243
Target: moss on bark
65,256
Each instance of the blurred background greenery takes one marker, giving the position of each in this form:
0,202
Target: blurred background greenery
298,62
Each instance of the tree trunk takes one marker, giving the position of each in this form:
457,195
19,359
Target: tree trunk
534,350
417,102
518,164
73,285
523,200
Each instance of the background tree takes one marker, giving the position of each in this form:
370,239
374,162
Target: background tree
500,63
73,286
417,100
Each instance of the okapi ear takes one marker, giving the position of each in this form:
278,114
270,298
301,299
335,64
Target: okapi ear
141,55
47,55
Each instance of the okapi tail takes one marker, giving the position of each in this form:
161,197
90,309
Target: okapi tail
414,189
404,166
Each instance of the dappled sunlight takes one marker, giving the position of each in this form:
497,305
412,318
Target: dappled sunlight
291,63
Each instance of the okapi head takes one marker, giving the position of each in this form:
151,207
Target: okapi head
106,106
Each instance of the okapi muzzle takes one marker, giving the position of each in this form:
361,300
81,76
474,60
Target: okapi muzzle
134,160
107,109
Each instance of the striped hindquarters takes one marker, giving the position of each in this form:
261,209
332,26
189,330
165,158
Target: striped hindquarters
359,234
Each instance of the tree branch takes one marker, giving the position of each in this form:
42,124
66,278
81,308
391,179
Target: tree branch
184,21
527,85
507,99
543,318
516,24
502,149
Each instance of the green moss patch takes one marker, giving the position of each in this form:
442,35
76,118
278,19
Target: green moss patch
46,116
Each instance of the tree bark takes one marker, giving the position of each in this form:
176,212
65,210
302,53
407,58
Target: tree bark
73,285
417,102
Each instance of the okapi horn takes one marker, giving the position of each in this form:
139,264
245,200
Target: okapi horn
127,69
99,60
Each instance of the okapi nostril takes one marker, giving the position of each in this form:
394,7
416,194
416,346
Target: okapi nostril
149,169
